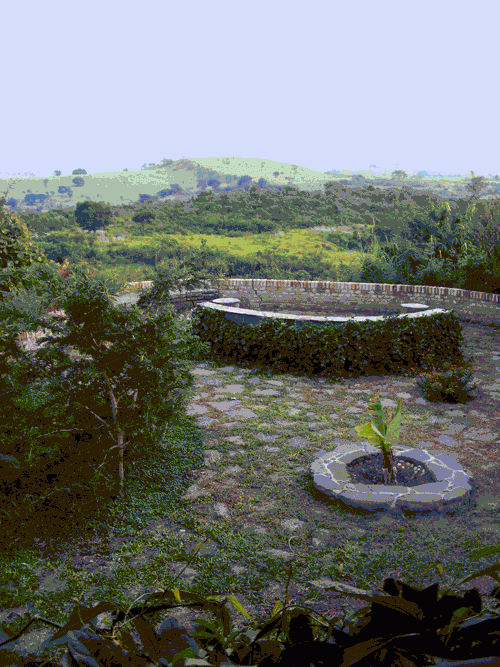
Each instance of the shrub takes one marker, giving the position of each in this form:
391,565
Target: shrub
144,217
92,216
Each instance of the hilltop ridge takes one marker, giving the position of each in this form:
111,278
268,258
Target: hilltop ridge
182,179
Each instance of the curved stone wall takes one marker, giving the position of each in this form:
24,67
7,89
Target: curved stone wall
262,294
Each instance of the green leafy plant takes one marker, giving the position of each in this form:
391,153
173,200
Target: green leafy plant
403,625
450,381
140,352
383,434
49,454
144,217
129,352
92,216
65,272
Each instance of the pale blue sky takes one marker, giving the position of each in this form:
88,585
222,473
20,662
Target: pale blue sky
324,85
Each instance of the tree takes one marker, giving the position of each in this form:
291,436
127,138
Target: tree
17,250
429,243
137,352
447,235
399,174
144,217
110,337
475,187
437,250
78,172
483,267
244,182
57,173
92,216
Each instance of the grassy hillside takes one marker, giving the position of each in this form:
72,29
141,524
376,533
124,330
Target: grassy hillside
179,180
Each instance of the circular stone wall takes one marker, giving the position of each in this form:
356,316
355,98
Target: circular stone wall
469,305
452,487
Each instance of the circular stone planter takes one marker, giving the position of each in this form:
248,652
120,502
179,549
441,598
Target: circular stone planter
452,486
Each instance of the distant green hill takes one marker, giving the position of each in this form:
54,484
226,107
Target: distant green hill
183,179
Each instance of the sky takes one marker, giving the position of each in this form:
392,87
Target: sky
349,86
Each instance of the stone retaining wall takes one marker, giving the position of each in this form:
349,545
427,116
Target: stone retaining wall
260,294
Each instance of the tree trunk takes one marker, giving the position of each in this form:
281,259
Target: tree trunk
389,469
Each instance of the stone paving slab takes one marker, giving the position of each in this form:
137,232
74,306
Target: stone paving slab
452,487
